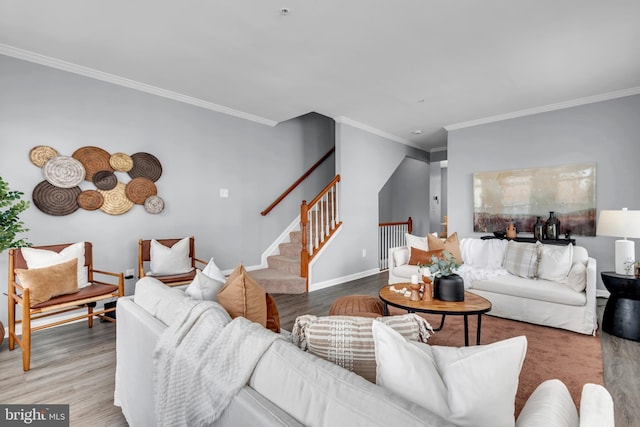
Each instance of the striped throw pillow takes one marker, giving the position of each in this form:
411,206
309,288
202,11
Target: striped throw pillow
521,259
347,341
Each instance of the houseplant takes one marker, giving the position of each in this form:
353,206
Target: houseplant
447,285
10,225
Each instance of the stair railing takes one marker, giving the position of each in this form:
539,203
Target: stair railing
298,182
319,220
391,235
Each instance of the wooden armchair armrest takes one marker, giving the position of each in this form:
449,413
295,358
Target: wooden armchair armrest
120,277
201,261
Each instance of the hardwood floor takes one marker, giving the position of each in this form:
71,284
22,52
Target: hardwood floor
75,365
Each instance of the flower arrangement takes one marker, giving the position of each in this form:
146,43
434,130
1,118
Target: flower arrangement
441,266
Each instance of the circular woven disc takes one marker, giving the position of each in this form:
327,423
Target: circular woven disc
63,171
115,201
145,165
54,200
90,200
94,160
138,189
105,180
41,153
154,204
121,162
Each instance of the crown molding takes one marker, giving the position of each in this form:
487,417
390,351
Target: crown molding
546,108
372,130
131,84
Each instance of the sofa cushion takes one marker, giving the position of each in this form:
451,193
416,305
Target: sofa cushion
417,242
170,260
213,271
243,296
418,256
485,253
406,271
161,301
521,259
469,386
554,262
401,256
549,405
542,290
204,287
450,244
48,282
348,341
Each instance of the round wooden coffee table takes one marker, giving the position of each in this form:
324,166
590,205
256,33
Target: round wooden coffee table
472,305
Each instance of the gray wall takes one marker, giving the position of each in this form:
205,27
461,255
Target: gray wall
365,162
201,151
406,194
607,133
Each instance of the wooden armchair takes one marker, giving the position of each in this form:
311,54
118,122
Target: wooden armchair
22,293
170,279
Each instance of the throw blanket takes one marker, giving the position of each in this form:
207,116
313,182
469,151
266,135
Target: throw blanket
202,360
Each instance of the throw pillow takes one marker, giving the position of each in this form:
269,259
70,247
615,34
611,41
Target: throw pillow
214,272
521,259
469,386
555,262
38,258
347,341
273,317
423,257
173,260
243,296
48,282
401,256
577,279
450,244
550,404
204,287
417,242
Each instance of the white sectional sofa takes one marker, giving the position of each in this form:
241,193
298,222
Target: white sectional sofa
568,301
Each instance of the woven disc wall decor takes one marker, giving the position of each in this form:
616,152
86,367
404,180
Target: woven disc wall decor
105,180
54,200
90,200
94,160
145,165
154,204
121,162
115,201
63,171
40,154
138,189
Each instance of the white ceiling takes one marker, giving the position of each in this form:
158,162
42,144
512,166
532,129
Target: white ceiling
392,66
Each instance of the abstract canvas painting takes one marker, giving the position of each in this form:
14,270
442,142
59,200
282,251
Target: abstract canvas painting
519,195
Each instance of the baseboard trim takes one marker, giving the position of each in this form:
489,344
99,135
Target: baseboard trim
340,280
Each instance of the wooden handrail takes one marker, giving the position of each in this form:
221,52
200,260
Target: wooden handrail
324,191
295,184
408,222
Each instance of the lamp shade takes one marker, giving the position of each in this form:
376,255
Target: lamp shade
619,223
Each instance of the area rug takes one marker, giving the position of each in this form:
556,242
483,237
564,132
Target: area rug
573,358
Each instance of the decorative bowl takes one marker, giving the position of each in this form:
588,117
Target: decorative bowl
499,234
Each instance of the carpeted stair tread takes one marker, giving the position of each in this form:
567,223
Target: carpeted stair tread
287,264
291,249
278,282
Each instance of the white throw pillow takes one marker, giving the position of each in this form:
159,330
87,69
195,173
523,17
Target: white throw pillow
521,259
596,407
549,405
417,242
173,260
400,257
469,386
214,272
204,287
39,258
555,262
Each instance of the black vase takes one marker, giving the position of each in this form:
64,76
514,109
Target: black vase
538,229
448,288
552,226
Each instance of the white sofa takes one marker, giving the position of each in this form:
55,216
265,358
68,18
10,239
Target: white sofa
289,387
533,300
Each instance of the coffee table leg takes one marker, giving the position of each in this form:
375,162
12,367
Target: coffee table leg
386,309
466,331
439,328
478,331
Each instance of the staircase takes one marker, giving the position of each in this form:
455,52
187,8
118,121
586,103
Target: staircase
283,273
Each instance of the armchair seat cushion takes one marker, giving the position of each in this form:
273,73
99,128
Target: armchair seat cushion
175,278
91,291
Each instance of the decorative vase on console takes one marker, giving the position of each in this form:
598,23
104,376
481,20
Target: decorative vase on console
552,226
538,229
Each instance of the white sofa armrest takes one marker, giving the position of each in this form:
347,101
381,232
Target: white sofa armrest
591,314
596,407
391,262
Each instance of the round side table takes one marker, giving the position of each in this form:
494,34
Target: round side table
622,313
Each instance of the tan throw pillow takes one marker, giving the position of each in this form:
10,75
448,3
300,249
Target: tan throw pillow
48,282
451,244
423,257
273,317
243,296
347,341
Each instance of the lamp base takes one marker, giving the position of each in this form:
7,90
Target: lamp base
625,252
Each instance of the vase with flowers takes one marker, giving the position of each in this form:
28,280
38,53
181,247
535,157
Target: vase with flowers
447,285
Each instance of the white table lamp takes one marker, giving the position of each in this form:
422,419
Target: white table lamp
622,223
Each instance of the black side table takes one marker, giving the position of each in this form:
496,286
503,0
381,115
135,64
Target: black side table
622,312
